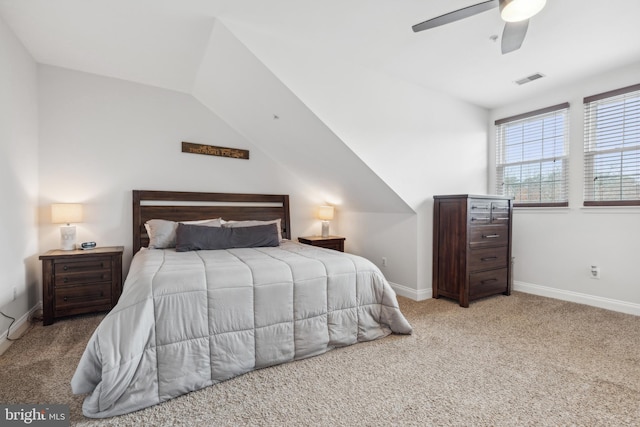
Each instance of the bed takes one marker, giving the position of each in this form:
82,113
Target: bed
190,319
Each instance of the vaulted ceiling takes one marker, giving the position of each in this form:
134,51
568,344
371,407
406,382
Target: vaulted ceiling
162,42
398,115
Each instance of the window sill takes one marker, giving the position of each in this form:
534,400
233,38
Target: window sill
634,209
595,210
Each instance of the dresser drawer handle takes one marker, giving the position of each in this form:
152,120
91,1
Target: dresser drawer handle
65,280
488,281
83,297
489,258
490,236
65,268
479,206
483,218
500,218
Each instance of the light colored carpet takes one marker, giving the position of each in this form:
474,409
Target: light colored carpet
521,360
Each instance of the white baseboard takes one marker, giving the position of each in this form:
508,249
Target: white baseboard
414,294
545,291
595,301
18,328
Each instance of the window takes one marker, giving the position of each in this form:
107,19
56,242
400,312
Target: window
532,163
612,148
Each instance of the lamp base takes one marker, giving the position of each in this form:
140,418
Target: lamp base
68,237
325,228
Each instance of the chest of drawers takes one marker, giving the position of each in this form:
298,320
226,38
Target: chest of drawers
471,246
78,281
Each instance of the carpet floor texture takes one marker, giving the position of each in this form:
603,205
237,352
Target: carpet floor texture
521,360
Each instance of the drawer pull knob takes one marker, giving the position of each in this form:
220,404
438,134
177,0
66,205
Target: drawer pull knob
489,281
65,280
65,268
490,236
489,258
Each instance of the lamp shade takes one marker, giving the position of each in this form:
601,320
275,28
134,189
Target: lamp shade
325,213
66,213
519,10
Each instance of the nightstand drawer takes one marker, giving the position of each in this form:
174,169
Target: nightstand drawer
336,246
84,277
73,266
80,281
83,296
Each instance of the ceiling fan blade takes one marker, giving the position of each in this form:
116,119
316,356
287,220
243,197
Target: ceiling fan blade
513,35
456,15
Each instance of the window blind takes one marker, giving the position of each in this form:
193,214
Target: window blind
612,148
532,163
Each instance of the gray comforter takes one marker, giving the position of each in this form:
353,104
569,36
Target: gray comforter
189,320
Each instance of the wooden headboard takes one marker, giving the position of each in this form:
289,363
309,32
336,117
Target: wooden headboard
188,206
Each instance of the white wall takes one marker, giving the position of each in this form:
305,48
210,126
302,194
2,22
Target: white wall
18,180
101,137
377,146
555,247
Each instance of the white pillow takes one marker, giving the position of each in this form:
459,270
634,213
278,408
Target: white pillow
253,223
162,233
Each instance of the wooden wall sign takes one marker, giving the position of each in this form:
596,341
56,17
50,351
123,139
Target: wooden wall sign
210,150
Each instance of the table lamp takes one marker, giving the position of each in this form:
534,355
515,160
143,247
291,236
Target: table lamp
66,213
325,213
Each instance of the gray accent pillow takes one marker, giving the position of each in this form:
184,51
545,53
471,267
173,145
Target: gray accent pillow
197,237
162,233
253,223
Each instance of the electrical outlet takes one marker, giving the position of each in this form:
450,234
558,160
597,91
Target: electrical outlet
595,272
384,261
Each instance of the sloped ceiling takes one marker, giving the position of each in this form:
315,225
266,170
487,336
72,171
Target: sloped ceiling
356,66
161,42
265,110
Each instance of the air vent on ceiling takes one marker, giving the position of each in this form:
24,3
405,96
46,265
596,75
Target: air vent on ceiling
530,78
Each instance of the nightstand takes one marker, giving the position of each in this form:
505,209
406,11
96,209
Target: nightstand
80,281
330,242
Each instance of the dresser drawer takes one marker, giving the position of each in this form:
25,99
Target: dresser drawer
488,212
79,266
488,282
479,218
500,212
82,296
488,258
479,211
488,235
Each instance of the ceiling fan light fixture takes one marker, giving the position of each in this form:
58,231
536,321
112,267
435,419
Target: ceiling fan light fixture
520,10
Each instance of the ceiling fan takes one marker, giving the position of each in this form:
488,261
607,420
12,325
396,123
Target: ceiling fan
515,13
